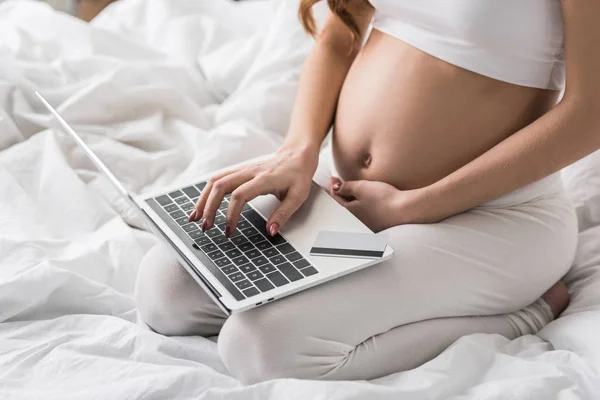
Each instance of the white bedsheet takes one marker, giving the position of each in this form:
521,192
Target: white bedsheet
164,90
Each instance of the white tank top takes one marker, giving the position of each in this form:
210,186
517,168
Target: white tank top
516,41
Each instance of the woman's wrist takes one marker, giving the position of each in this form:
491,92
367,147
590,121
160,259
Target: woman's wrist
418,206
306,146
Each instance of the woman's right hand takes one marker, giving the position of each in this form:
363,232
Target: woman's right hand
288,176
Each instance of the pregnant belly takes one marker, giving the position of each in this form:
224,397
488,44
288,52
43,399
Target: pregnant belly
409,119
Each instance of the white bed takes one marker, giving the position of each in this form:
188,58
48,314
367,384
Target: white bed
164,90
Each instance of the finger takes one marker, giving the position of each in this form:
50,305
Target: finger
349,189
196,213
220,188
242,195
344,202
290,204
199,207
334,184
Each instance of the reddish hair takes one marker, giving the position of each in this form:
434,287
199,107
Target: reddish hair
339,8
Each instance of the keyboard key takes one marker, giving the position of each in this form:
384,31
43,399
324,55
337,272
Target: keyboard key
220,219
202,241
215,255
176,194
240,260
224,205
253,253
191,192
243,224
181,200
285,248
249,231
171,207
236,276
163,200
261,225
196,234
290,272
246,268
309,271
178,214
263,245
223,262
251,214
220,239
201,186
190,227
277,239
209,247
301,263
187,206
195,200
295,256
277,279
233,253
259,261
278,259
245,284
221,226
182,221
263,285
229,269
238,240
254,275
213,232
271,252
246,247
256,238
226,246
251,292
267,268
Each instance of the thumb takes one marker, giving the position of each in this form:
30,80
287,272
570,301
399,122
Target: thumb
349,189
280,216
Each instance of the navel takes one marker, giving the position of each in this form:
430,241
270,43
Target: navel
368,159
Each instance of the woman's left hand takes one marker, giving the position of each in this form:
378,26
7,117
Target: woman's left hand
378,205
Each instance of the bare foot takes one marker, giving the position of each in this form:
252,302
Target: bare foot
557,297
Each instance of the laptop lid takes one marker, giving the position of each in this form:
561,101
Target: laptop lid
89,153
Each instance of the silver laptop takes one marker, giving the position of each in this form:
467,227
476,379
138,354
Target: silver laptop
251,268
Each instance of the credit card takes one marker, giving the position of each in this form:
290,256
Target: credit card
348,244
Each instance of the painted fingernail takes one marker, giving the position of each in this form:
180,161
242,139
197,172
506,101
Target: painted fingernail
336,186
192,216
274,229
204,225
227,231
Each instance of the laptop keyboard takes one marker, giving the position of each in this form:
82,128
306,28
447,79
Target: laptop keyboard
251,260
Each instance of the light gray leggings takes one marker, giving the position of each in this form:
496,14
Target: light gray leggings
477,267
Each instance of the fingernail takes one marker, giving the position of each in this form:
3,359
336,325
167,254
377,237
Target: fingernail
273,229
192,216
336,186
227,231
204,225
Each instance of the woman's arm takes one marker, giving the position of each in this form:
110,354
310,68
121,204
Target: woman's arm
322,77
567,133
289,173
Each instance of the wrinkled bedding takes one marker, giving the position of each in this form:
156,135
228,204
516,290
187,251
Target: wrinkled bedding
163,90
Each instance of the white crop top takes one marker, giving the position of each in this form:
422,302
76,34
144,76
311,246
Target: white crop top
516,41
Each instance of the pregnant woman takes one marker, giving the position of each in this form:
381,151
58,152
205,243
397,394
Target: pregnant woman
447,136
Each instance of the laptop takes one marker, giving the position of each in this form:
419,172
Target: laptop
251,268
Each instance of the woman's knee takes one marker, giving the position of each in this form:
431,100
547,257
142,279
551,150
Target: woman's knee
264,344
169,300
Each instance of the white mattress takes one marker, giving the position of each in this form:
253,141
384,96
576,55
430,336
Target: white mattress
164,90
